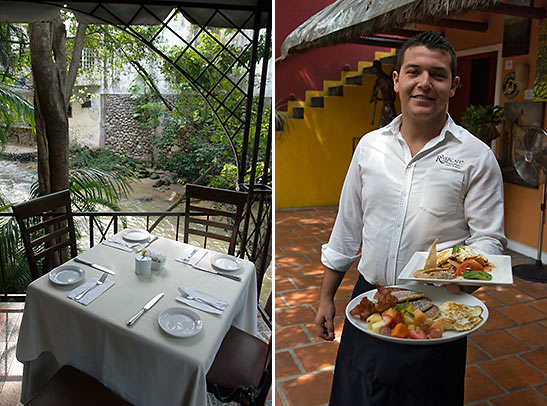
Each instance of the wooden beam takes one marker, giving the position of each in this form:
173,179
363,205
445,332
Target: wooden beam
377,41
459,24
518,11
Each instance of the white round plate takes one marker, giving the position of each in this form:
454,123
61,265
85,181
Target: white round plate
439,295
66,275
225,263
180,322
135,235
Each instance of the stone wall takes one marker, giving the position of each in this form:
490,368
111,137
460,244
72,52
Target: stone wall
122,133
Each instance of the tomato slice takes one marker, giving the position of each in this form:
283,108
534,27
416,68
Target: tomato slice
417,334
469,265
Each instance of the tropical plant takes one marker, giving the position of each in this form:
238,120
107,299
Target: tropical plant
476,117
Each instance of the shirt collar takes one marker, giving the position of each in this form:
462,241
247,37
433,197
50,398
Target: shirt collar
450,128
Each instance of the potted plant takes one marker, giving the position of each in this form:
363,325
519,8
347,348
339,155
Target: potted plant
482,121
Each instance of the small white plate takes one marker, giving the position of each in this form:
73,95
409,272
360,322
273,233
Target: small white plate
180,322
502,273
225,263
66,275
136,235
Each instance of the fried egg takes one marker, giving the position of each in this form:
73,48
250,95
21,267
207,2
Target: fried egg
459,317
465,252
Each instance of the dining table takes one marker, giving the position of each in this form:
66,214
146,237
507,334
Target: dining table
143,363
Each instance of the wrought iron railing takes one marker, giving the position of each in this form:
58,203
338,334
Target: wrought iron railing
98,230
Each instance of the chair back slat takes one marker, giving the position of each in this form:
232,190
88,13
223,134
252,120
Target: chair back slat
47,230
206,206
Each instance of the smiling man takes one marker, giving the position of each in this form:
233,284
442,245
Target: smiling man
420,178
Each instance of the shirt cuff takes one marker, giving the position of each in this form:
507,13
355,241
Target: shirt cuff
335,260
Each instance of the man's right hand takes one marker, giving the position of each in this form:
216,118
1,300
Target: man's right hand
324,320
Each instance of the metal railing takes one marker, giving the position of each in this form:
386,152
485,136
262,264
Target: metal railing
98,230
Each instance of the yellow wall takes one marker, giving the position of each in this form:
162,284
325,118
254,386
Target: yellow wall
312,154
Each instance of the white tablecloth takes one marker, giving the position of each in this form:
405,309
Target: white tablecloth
142,363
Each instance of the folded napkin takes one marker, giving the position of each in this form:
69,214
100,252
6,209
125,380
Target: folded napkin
217,301
196,257
117,241
93,293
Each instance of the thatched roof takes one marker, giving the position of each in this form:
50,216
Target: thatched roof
345,21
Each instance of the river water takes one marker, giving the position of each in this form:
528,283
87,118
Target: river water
16,179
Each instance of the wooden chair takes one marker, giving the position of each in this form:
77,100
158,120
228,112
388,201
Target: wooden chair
242,369
47,229
219,223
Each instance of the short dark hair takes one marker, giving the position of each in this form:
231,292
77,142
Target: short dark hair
430,40
376,64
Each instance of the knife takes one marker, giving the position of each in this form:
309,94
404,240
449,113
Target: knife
233,277
96,266
145,308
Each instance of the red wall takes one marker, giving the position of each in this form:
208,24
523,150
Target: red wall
307,71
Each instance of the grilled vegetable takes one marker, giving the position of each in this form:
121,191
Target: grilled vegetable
485,276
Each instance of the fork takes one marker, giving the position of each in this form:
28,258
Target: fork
186,295
98,282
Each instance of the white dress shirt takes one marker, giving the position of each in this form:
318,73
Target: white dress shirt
393,204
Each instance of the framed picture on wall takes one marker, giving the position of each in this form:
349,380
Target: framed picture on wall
517,116
516,32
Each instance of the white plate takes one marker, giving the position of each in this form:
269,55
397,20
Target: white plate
66,275
225,263
502,274
439,295
180,322
136,235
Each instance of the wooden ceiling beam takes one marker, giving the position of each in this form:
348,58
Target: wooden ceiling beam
377,41
518,11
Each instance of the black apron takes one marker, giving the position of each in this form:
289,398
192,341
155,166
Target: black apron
374,372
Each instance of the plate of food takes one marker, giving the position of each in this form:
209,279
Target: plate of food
135,235
460,264
422,315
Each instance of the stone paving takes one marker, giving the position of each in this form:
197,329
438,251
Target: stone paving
506,358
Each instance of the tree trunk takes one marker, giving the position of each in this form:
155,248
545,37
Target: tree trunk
52,91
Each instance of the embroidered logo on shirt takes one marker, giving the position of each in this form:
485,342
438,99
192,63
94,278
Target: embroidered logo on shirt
444,160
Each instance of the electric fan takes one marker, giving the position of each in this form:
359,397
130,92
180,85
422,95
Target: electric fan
530,159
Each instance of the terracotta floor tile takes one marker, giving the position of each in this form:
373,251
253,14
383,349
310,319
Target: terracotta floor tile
536,289
317,356
340,306
280,301
478,386
490,301
286,337
278,400
310,240
283,234
532,334
495,321
542,389
498,343
313,268
509,295
540,305
537,358
475,354
287,272
527,397
512,373
282,285
307,281
351,276
522,313
301,296
308,390
293,260
294,315
285,365
299,250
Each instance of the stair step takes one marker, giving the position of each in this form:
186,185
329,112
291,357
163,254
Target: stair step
298,112
336,91
354,80
318,101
